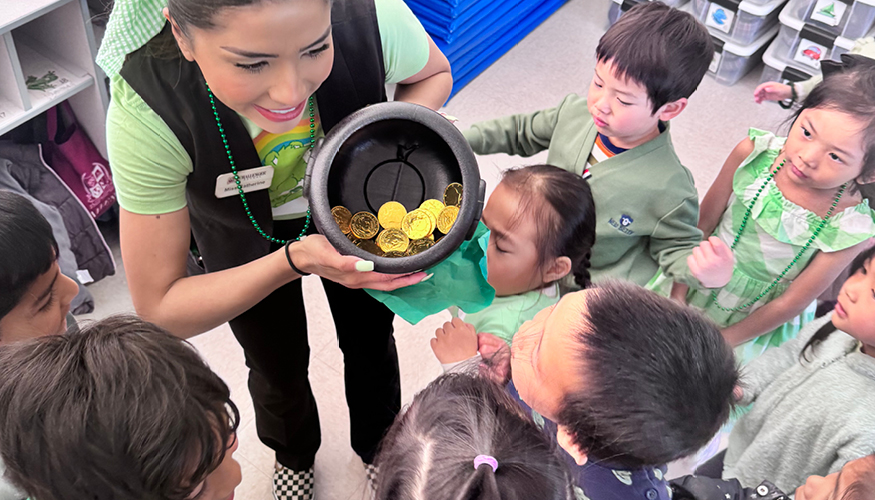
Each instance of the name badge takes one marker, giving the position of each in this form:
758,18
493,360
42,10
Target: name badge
254,179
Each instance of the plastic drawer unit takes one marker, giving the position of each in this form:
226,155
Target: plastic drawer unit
740,22
779,70
732,61
806,44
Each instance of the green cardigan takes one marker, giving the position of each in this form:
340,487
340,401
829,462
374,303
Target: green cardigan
646,203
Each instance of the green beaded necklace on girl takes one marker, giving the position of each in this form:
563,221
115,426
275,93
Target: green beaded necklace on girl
798,255
237,177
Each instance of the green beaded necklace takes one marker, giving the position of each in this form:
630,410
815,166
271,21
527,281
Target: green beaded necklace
795,259
237,178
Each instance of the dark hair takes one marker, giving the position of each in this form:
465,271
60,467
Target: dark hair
664,49
863,487
659,378
27,248
564,211
200,13
828,328
429,452
851,92
119,410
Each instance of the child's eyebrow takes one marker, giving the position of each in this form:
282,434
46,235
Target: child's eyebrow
840,150
48,290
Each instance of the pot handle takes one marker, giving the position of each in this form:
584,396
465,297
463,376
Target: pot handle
481,196
311,160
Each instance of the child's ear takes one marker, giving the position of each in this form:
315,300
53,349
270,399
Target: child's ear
181,40
566,442
670,110
866,178
556,269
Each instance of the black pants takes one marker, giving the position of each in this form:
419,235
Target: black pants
273,335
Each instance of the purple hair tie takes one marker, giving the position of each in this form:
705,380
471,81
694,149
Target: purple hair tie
486,459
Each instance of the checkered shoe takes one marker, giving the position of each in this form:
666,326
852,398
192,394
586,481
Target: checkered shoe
371,472
292,485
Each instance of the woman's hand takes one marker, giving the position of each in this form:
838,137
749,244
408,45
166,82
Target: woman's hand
772,91
314,254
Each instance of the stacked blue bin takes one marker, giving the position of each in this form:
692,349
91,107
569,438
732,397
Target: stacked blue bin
475,33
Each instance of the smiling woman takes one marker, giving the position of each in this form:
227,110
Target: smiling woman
246,88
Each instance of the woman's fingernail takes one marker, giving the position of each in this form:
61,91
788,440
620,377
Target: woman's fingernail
364,266
423,280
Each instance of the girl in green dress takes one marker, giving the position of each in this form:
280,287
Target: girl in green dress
790,210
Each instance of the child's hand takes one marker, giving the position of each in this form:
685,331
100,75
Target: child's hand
712,263
455,341
496,357
772,91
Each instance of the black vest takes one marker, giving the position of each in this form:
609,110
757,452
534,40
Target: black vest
174,88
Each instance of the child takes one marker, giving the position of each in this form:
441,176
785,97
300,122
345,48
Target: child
649,63
463,437
34,295
632,379
814,397
120,410
791,211
542,227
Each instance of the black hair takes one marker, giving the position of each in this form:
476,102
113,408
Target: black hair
851,92
828,328
658,378
564,211
664,49
429,452
201,13
27,248
119,410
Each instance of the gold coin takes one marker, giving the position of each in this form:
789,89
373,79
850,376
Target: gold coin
433,206
393,240
417,224
364,225
369,246
447,219
419,246
394,255
453,195
342,215
351,237
391,214
432,217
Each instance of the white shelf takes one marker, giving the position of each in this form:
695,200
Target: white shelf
51,41
14,13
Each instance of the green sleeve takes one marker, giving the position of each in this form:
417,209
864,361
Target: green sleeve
149,165
405,43
674,238
497,321
521,135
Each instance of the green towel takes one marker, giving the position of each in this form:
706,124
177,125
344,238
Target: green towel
459,280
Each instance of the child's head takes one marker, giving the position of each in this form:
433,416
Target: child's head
854,311
542,226
34,295
431,453
119,410
832,140
649,63
856,481
630,377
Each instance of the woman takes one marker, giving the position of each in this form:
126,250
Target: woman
205,100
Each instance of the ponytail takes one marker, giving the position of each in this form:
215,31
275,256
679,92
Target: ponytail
481,485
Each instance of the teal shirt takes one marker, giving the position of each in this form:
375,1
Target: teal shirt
647,206
507,314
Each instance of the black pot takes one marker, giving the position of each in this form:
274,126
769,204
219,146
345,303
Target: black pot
393,151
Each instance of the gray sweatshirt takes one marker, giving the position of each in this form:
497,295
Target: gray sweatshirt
808,417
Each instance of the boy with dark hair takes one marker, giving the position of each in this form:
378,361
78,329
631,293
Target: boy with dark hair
120,410
34,295
649,63
627,381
